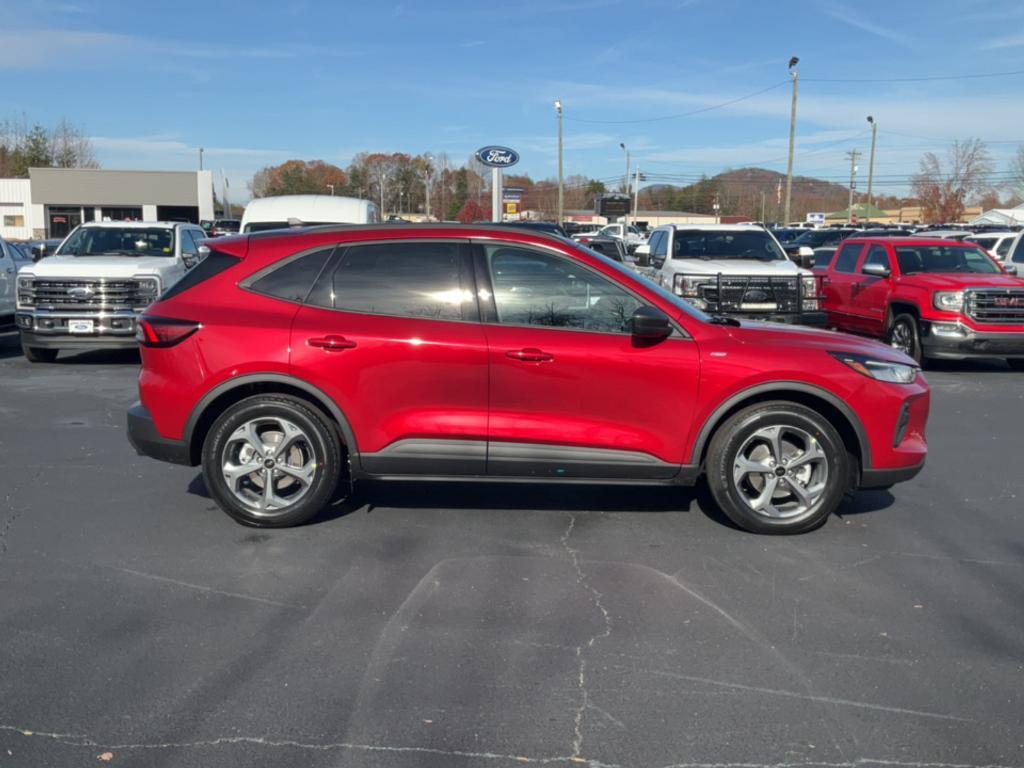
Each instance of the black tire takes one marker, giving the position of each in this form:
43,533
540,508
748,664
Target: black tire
1015,363
905,326
39,354
741,431
319,446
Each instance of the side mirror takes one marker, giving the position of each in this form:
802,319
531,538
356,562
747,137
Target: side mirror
643,250
805,256
650,323
204,251
876,270
1010,269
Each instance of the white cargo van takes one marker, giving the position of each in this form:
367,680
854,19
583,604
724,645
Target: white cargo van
305,211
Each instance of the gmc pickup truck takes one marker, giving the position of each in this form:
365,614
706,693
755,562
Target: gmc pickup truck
90,293
930,298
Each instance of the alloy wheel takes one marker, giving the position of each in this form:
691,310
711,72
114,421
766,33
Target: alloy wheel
781,472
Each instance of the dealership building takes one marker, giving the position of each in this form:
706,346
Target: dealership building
53,201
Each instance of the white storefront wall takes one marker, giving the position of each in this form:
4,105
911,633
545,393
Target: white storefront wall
18,216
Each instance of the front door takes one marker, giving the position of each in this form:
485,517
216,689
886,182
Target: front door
839,285
61,221
391,333
572,393
869,297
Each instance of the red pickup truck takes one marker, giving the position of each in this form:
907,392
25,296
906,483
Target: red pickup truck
927,297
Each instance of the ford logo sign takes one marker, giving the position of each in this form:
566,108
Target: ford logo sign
497,157
755,296
81,292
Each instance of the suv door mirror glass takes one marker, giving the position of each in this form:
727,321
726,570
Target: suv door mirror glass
650,323
876,270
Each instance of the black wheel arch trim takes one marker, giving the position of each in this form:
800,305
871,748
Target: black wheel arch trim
347,434
717,415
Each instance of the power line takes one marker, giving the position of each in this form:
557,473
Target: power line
929,78
681,114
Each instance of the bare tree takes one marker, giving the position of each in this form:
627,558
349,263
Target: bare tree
944,189
1017,171
71,148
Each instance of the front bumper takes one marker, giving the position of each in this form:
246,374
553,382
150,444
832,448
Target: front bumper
50,330
147,440
883,478
958,342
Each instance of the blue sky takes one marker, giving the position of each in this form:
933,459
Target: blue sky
261,82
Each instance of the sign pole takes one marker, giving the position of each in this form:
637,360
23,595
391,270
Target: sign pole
496,185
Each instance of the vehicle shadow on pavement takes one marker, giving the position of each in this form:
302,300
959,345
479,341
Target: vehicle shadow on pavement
978,365
101,357
10,345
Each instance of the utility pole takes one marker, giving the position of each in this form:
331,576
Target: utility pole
717,208
383,178
853,154
428,174
636,196
762,207
871,163
625,187
561,179
792,137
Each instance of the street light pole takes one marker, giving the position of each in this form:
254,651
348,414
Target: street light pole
854,154
792,138
871,164
625,187
561,180
428,174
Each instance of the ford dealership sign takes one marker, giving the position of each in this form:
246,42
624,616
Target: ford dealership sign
497,157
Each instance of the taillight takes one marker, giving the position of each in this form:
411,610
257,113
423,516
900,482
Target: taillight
164,331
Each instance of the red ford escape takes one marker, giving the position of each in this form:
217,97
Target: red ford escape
487,353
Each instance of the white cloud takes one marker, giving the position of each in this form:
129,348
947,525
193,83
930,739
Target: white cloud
849,17
1009,41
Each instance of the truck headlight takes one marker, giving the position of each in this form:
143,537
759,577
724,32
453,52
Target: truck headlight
809,288
148,290
881,370
949,301
688,286
25,293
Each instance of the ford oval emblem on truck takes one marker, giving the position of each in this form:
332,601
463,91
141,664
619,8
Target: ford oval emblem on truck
497,157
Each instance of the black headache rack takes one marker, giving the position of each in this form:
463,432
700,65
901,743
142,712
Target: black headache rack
779,298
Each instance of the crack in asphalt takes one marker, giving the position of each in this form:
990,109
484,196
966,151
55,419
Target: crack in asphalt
581,683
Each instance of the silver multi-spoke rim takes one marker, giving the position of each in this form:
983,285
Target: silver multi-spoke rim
781,472
901,338
269,465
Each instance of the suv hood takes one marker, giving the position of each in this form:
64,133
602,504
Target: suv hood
933,282
760,333
778,267
100,266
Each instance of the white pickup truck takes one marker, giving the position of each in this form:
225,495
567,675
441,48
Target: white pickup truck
90,293
739,270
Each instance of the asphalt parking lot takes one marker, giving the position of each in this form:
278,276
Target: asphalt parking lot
493,626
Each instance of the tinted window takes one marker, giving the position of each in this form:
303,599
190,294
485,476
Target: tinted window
427,280
533,288
1018,251
293,280
659,243
187,244
725,244
846,261
1004,247
823,257
878,255
944,259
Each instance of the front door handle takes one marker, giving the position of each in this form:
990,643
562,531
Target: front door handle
530,355
331,343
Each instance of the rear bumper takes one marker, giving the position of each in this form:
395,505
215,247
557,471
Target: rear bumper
965,343
147,440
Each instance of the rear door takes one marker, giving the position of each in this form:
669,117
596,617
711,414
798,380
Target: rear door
391,333
839,285
572,394
869,294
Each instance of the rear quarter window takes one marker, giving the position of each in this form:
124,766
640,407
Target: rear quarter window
295,277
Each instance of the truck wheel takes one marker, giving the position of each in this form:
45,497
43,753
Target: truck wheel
905,336
271,461
39,354
778,468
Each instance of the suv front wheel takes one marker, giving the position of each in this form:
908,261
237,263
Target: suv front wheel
778,467
271,461
39,354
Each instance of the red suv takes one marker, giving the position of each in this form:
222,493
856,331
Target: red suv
487,353
927,297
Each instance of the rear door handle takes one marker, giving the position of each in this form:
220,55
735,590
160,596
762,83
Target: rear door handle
530,355
331,343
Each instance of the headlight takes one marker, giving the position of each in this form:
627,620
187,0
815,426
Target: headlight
810,285
881,370
688,286
149,289
24,293
949,301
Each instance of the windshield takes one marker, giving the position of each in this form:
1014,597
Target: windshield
944,259
816,237
121,241
726,244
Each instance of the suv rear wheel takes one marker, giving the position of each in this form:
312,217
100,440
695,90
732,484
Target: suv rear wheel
40,354
778,467
271,461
